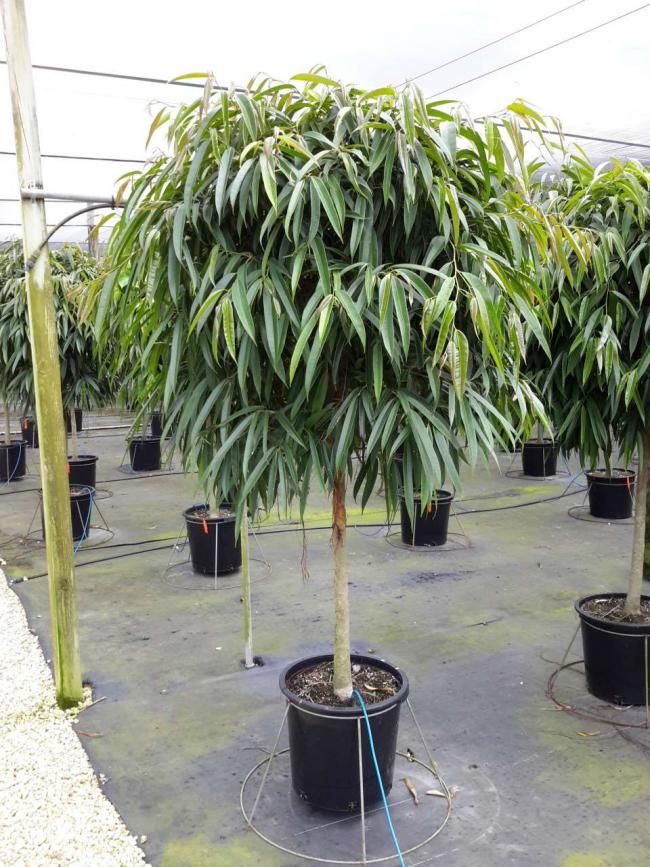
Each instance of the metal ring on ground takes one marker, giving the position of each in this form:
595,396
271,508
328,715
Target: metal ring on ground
459,542
199,582
128,470
306,857
582,513
519,474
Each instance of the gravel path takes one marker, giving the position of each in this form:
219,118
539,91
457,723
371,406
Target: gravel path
52,810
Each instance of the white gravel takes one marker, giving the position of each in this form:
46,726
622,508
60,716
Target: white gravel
52,809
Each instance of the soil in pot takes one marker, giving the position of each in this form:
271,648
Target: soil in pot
431,526
323,734
145,454
211,535
83,470
78,415
539,459
30,432
12,461
614,648
611,497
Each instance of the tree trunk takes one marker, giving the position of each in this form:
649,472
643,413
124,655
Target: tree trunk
74,441
342,667
246,595
540,436
633,601
7,433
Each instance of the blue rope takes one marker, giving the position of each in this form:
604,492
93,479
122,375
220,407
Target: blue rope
15,469
84,535
381,785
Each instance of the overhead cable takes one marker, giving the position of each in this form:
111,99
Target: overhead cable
495,41
540,50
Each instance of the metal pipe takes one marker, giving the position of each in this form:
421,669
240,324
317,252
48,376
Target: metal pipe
32,193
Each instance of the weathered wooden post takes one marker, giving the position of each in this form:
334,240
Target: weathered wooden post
45,359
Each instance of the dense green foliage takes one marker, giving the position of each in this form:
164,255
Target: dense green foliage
598,388
316,273
72,272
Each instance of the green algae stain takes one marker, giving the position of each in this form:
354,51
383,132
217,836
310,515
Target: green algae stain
245,850
578,770
610,858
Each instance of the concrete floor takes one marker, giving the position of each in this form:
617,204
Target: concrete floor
181,723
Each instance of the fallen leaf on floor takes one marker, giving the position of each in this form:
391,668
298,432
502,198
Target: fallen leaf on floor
411,788
588,734
91,734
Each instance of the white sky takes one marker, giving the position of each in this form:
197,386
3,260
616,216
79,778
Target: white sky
597,84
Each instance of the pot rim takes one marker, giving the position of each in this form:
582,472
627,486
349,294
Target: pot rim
146,439
534,444
195,519
444,497
354,712
12,444
625,473
83,459
609,625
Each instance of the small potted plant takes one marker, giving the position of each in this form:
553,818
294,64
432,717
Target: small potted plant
330,274
600,373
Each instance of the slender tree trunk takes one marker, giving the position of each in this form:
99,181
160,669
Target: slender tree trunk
246,595
342,667
74,440
608,463
633,601
7,423
145,425
540,437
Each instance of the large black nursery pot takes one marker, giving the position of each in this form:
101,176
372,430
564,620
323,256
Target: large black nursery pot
81,507
30,431
12,461
78,417
145,454
431,526
615,655
324,746
611,497
539,459
83,470
214,548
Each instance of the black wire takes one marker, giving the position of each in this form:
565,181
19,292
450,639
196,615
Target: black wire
495,41
79,157
297,529
143,78
540,51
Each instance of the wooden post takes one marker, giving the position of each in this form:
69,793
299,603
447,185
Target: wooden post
45,360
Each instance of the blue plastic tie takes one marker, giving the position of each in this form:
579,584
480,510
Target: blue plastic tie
87,521
381,785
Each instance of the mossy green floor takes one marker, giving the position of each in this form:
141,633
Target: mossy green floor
181,722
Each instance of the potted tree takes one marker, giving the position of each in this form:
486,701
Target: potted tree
83,387
327,274
600,372
12,366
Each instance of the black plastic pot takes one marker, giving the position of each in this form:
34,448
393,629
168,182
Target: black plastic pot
156,424
212,541
324,745
30,431
78,416
83,470
540,459
145,454
12,461
611,497
614,655
81,507
431,527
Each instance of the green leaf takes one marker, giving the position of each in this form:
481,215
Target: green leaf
229,326
222,180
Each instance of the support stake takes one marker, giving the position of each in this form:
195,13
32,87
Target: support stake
45,360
